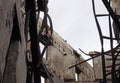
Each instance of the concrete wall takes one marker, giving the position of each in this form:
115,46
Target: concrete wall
61,56
116,6
12,46
116,9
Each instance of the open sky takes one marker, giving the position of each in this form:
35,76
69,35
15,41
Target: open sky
73,20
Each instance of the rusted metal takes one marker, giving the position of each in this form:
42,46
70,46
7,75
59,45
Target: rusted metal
34,40
97,54
111,12
111,65
113,52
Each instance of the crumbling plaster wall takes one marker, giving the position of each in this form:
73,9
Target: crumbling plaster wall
61,56
12,50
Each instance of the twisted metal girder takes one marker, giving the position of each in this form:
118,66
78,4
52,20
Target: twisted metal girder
35,66
113,16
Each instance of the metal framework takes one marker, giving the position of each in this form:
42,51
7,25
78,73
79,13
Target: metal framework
114,52
36,67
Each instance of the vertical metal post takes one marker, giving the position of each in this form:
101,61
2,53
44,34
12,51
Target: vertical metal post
103,67
101,40
34,40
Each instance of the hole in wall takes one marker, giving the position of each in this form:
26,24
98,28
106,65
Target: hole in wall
15,30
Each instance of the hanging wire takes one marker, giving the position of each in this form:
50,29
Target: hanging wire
32,8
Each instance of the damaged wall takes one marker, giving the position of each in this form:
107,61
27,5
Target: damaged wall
12,46
61,56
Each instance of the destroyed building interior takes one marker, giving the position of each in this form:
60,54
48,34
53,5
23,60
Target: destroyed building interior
32,52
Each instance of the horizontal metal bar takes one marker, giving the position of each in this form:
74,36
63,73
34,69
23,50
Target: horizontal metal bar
113,72
112,59
111,65
111,38
94,56
100,15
